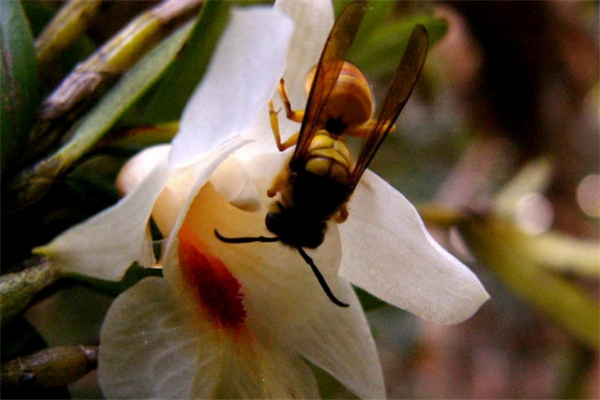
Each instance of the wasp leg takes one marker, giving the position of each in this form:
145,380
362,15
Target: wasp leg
292,140
297,115
342,214
279,183
365,129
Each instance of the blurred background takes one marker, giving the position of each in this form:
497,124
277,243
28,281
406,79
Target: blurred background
498,147
510,84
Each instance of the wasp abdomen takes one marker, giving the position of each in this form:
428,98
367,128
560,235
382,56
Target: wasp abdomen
351,100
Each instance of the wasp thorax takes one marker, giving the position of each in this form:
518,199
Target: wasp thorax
329,157
351,100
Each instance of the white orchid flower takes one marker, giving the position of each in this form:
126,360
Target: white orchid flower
238,320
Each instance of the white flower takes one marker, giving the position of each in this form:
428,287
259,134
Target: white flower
231,320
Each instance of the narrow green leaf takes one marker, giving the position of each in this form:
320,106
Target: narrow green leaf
19,82
80,89
133,85
40,14
130,140
186,72
33,184
508,253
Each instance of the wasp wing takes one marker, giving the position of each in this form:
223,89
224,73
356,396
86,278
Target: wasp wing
328,69
406,77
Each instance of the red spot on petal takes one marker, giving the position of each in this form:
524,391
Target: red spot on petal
218,292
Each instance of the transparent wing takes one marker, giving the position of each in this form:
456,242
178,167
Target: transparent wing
406,77
328,69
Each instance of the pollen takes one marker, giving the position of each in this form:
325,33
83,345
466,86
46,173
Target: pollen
217,291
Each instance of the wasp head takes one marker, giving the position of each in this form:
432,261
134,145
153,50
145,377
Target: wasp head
295,229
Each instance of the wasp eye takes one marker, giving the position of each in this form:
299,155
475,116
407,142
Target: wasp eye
273,222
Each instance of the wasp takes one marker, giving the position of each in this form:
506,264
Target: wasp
316,184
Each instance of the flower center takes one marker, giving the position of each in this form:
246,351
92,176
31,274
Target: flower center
217,290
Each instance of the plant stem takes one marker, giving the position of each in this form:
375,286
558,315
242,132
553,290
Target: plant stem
19,288
68,25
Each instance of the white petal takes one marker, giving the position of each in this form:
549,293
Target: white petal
107,244
185,183
266,369
388,252
153,347
313,20
241,79
150,347
339,341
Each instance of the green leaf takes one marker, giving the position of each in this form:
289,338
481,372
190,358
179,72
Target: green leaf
379,13
128,90
127,141
39,15
382,49
19,82
31,185
186,72
509,253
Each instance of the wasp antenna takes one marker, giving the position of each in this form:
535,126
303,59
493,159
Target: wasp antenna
321,279
238,240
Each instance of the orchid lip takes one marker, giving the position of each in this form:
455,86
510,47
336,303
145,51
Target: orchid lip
306,257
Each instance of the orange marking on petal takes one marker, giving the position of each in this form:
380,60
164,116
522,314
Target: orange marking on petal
218,291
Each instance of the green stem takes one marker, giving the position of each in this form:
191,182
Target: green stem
53,367
68,25
18,289
94,76
32,184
